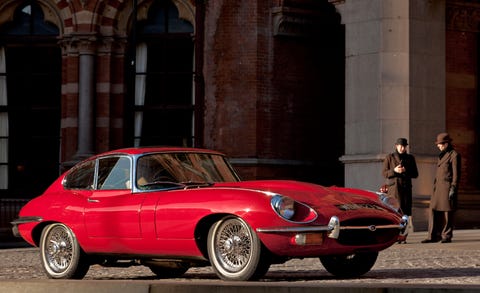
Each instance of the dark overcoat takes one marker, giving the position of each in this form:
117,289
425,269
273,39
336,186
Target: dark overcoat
400,185
447,176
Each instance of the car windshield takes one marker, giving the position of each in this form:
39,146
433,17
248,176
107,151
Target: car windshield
173,170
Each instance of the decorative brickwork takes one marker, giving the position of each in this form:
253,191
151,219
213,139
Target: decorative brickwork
463,16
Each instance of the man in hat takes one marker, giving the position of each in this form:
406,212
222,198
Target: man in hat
399,168
445,188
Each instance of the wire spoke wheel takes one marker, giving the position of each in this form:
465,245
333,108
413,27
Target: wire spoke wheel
59,251
235,250
61,255
234,246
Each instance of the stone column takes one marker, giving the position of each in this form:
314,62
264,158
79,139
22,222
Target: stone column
86,106
84,46
395,85
78,97
427,90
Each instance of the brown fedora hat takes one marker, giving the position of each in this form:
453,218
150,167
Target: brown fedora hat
401,141
443,138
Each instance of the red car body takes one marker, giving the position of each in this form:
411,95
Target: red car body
238,227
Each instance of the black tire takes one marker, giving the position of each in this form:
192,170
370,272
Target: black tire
235,252
61,255
168,272
349,266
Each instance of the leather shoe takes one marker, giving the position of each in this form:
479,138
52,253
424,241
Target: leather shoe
428,241
446,240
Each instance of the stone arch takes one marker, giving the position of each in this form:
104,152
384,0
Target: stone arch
50,12
186,11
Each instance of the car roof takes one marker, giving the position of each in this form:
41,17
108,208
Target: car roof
159,149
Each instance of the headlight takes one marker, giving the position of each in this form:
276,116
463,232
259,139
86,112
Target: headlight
284,206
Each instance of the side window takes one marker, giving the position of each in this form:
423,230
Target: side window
114,173
81,177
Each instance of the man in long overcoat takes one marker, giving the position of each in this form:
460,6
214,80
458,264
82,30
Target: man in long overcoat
399,168
445,189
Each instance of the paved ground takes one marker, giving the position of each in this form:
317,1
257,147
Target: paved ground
434,264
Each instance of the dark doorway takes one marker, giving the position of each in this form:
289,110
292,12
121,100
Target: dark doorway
33,86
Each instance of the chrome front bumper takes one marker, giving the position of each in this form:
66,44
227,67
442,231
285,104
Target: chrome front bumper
333,228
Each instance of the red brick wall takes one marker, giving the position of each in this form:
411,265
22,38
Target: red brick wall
278,98
103,102
462,101
69,107
230,70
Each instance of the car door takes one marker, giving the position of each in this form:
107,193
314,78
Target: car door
113,211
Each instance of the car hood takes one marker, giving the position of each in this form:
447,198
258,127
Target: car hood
311,194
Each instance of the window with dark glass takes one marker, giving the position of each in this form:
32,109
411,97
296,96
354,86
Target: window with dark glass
163,85
30,93
81,177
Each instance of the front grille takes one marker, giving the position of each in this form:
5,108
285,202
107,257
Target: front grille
359,233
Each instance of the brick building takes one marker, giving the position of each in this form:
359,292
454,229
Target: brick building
316,90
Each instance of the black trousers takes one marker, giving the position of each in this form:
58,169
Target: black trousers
440,225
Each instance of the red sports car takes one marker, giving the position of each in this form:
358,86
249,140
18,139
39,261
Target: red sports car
175,208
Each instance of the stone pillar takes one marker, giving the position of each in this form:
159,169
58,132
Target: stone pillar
395,86
427,88
86,46
78,96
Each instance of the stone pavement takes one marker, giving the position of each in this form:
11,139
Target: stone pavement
432,265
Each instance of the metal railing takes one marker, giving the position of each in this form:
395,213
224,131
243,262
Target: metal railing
9,209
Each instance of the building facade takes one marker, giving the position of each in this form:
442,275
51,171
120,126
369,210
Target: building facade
315,90
412,71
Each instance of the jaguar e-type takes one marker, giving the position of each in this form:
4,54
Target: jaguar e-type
171,209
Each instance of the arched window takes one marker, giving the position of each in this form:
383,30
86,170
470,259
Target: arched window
30,92
163,86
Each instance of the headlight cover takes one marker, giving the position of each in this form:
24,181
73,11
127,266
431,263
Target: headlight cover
283,206
291,210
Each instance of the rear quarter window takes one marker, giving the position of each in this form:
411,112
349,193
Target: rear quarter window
81,177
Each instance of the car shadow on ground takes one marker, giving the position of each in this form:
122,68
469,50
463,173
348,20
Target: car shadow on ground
319,275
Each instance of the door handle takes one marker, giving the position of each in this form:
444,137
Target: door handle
93,200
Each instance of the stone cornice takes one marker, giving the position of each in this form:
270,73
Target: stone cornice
303,18
336,2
